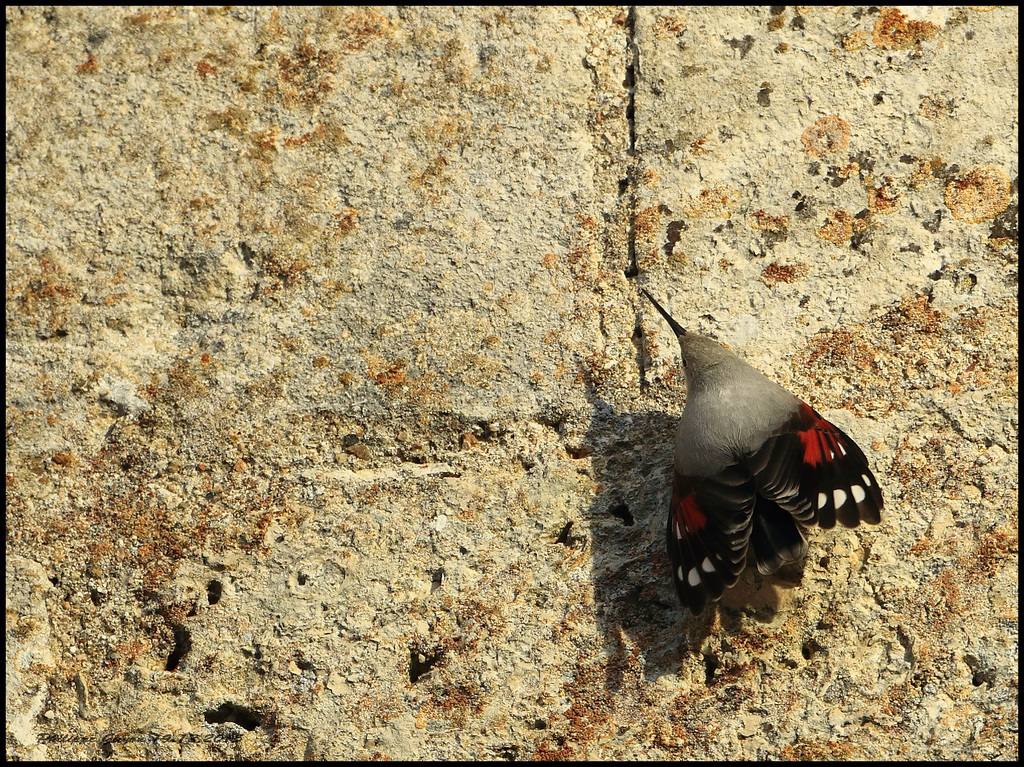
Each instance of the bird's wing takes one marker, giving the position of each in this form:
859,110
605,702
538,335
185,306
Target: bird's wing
813,470
708,533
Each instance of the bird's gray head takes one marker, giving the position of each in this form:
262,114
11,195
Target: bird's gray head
701,356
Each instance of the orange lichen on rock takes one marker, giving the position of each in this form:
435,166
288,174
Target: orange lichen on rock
848,171
838,227
925,171
896,31
980,194
775,273
885,198
357,30
711,203
89,65
306,74
855,40
764,223
829,134
913,319
841,347
343,222
698,147
646,223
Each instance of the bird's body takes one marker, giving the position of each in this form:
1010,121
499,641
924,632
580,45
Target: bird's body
754,466
712,432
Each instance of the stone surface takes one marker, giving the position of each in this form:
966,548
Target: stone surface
336,429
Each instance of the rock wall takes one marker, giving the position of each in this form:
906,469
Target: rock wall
336,427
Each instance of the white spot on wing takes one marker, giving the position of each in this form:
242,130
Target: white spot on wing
822,500
840,496
679,533
694,577
867,479
706,566
858,493
679,573
842,448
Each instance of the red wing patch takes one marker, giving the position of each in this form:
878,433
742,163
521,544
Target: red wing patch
820,444
830,481
688,517
707,535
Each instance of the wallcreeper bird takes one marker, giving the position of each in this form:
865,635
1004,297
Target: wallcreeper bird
754,467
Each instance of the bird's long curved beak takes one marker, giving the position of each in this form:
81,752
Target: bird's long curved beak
678,329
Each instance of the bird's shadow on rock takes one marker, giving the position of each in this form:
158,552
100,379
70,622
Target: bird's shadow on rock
640,620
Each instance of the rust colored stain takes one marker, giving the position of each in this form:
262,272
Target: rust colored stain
89,65
205,69
647,221
344,222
